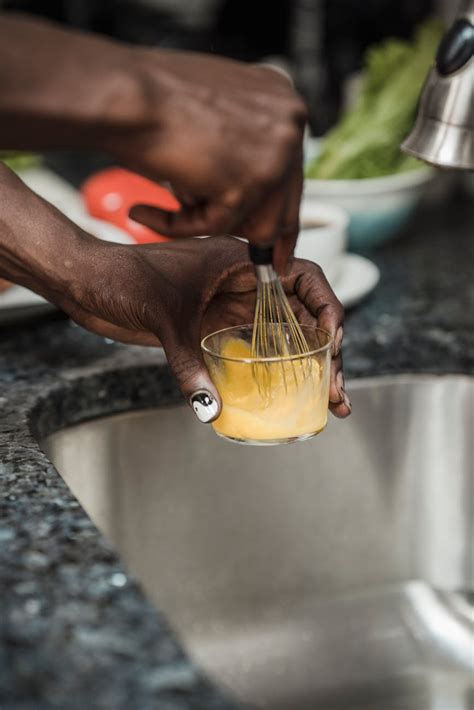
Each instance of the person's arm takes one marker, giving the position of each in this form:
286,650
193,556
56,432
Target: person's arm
150,294
226,135
39,248
62,89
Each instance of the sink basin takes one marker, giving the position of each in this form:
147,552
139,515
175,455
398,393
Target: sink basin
335,574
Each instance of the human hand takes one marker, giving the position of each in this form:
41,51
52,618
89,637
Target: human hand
176,293
228,137
171,294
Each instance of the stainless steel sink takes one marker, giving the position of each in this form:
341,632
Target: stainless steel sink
335,574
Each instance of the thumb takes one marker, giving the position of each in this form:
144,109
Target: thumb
186,362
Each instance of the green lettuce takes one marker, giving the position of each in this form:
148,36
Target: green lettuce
366,141
19,161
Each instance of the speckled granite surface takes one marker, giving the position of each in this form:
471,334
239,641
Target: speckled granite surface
75,631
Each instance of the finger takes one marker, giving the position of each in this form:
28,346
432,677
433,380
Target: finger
339,401
186,362
341,411
191,221
290,227
262,225
314,291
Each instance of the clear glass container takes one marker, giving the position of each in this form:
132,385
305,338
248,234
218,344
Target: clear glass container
273,400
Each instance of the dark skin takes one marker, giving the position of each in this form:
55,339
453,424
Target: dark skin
226,136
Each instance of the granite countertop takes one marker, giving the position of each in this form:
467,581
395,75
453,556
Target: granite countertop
75,630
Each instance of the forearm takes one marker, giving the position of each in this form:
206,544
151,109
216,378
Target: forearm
39,247
63,89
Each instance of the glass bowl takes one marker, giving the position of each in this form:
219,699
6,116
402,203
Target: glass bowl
273,400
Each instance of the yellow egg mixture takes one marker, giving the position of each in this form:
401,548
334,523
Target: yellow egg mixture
269,401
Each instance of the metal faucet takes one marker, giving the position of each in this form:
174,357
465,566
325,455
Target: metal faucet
443,133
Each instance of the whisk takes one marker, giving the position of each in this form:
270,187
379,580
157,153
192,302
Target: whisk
276,331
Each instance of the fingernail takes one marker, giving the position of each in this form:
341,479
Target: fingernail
347,402
338,341
205,406
340,385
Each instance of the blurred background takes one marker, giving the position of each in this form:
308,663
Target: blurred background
320,42
359,66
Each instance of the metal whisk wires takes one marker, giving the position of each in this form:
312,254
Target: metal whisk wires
276,331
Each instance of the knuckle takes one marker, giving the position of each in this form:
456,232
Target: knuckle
299,110
232,198
287,134
309,270
282,141
312,284
317,271
266,173
263,121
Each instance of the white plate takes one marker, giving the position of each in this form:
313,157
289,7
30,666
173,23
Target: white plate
358,277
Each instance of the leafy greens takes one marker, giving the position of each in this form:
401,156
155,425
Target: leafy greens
366,141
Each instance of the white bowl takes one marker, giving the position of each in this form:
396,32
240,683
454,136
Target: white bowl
325,242
378,207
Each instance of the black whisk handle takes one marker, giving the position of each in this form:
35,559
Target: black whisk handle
261,256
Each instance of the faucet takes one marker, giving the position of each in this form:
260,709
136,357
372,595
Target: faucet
443,133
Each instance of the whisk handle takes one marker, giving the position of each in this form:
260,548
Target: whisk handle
261,256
